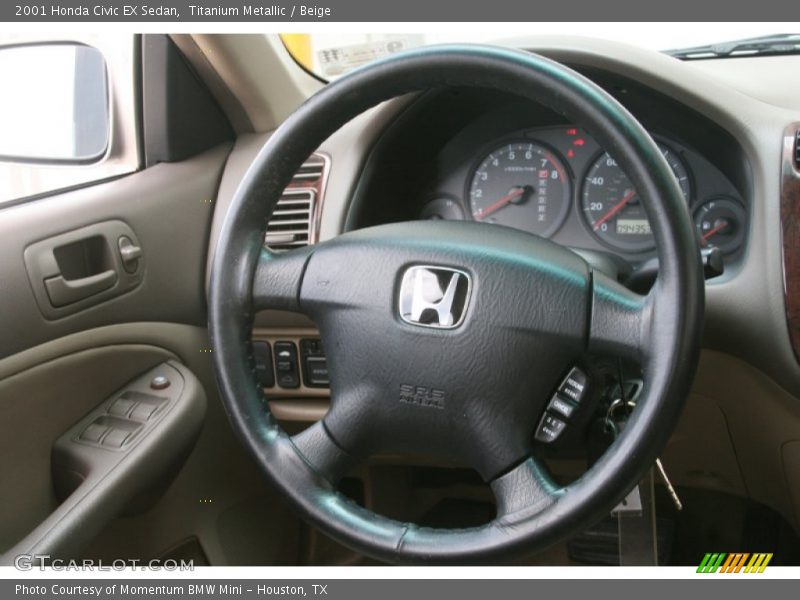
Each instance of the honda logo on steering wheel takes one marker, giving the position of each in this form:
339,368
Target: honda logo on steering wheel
434,296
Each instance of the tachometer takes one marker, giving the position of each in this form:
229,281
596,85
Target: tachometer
522,185
612,207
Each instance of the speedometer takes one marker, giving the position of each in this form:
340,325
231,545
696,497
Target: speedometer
522,185
612,207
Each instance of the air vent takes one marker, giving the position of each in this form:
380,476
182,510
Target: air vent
293,223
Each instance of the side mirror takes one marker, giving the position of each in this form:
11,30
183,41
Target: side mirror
54,107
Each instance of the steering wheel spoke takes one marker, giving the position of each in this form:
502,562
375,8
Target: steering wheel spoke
320,451
278,278
620,318
525,490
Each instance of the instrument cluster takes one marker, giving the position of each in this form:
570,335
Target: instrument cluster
557,182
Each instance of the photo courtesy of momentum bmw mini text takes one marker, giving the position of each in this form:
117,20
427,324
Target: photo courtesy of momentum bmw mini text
356,299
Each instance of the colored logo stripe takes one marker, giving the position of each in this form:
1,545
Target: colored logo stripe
734,563
711,562
758,563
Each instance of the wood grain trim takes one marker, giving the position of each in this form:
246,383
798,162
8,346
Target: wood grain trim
790,230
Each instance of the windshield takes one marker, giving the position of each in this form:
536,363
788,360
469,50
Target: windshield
331,55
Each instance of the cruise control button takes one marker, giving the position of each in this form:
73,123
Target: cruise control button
561,406
549,429
574,385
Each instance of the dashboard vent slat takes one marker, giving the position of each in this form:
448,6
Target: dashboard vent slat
292,224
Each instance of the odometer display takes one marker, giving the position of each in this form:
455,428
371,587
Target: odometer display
522,185
633,227
612,207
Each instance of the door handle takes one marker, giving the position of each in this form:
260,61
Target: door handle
66,291
79,269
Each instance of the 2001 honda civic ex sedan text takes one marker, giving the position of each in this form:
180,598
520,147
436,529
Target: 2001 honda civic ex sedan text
327,300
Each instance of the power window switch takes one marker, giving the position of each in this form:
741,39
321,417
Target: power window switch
93,433
115,438
121,407
143,411
550,427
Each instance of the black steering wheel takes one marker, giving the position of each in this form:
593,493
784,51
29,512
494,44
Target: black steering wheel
448,338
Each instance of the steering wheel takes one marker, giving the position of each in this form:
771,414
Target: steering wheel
447,339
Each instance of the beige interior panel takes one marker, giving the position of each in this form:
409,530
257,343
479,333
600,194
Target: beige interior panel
38,405
762,417
700,452
218,495
261,99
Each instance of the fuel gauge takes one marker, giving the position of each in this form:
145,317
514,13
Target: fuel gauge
721,222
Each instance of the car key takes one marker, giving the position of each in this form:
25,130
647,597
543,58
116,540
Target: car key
668,484
615,426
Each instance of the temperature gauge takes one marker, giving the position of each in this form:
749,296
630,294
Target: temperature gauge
721,222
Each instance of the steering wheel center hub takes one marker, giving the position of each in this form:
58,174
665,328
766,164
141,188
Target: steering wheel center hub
475,324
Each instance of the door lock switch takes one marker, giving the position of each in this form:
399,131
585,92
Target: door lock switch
129,253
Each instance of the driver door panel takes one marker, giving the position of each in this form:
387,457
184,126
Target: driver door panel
56,367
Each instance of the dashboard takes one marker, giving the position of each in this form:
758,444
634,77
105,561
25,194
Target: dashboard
500,162
557,182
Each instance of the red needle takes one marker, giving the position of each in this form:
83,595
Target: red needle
614,210
714,230
485,212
